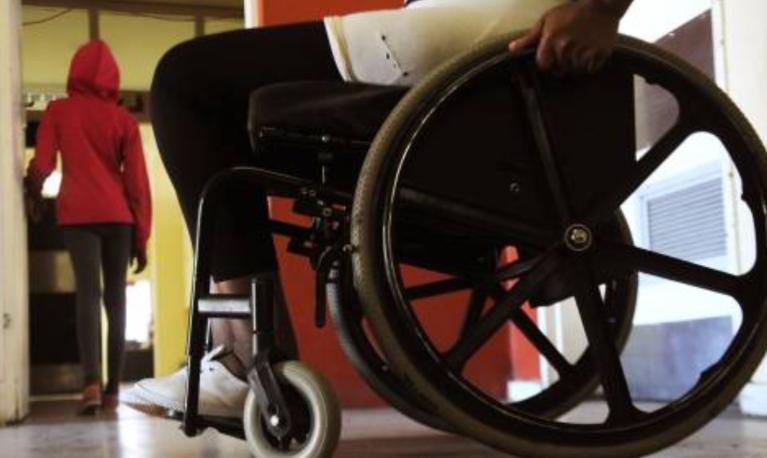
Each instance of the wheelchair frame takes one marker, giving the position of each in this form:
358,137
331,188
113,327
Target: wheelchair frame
330,245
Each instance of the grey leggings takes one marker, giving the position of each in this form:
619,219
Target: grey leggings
97,249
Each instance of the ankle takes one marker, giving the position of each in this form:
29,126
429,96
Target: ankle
110,401
233,364
92,388
90,400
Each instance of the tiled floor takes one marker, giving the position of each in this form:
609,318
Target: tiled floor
52,431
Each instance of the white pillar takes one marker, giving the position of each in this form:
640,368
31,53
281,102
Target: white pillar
14,345
745,59
251,13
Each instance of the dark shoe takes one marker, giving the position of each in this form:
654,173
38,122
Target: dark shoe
91,400
110,402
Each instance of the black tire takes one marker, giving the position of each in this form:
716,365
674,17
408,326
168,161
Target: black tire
417,364
366,359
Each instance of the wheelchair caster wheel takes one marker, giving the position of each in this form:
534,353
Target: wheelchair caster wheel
318,408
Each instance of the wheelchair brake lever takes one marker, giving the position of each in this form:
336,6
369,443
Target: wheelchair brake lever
325,263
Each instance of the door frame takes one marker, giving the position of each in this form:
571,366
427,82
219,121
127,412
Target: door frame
14,309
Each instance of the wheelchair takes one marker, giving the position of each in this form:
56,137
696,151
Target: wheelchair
486,153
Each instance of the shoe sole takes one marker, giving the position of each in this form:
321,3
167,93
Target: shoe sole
88,410
147,401
149,409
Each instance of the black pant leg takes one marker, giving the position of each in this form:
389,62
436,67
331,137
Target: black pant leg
84,248
115,254
199,109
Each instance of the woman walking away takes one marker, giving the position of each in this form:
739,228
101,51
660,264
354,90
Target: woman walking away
103,207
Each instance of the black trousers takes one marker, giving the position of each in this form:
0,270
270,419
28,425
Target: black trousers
199,108
97,249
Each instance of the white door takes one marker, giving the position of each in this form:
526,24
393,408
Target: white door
14,353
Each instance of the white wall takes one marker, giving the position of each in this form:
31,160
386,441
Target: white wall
14,354
251,13
651,19
745,43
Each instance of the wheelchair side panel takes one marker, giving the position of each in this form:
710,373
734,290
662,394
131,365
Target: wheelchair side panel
478,149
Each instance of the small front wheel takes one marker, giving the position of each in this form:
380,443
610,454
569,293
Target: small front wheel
316,400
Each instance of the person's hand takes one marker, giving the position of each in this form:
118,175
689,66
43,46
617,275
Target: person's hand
138,258
574,38
35,207
34,204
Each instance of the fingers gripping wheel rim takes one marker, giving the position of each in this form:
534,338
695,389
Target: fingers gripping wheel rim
317,393
418,365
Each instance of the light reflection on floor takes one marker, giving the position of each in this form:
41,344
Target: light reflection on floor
52,431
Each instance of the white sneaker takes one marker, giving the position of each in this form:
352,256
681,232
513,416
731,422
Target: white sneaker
221,393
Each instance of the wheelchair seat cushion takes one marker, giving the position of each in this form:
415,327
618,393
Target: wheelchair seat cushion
347,110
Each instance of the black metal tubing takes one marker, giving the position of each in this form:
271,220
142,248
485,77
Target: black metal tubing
261,377
198,321
262,314
275,182
275,134
475,219
437,288
229,426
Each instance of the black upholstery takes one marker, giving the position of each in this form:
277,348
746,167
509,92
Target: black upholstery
319,130
347,110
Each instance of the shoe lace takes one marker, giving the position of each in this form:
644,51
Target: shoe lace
215,354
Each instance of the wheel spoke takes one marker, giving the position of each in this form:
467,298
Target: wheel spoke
472,218
473,311
602,344
541,342
645,167
436,288
530,89
660,265
514,270
489,324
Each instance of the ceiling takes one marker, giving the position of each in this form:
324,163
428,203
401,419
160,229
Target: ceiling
232,4
214,7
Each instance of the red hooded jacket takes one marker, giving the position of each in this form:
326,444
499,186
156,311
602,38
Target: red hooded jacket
104,175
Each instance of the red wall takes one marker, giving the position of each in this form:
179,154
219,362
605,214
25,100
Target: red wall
272,12
320,348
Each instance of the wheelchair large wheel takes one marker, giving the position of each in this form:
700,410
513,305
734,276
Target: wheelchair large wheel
556,206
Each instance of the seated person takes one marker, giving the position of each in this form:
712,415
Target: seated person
199,107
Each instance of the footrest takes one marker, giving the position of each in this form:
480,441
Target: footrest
224,306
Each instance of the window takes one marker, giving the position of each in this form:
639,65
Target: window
684,217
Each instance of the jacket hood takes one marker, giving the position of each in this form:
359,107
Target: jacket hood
94,71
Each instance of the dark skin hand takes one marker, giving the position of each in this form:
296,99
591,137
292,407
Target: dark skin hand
34,206
576,37
33,200
139,259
